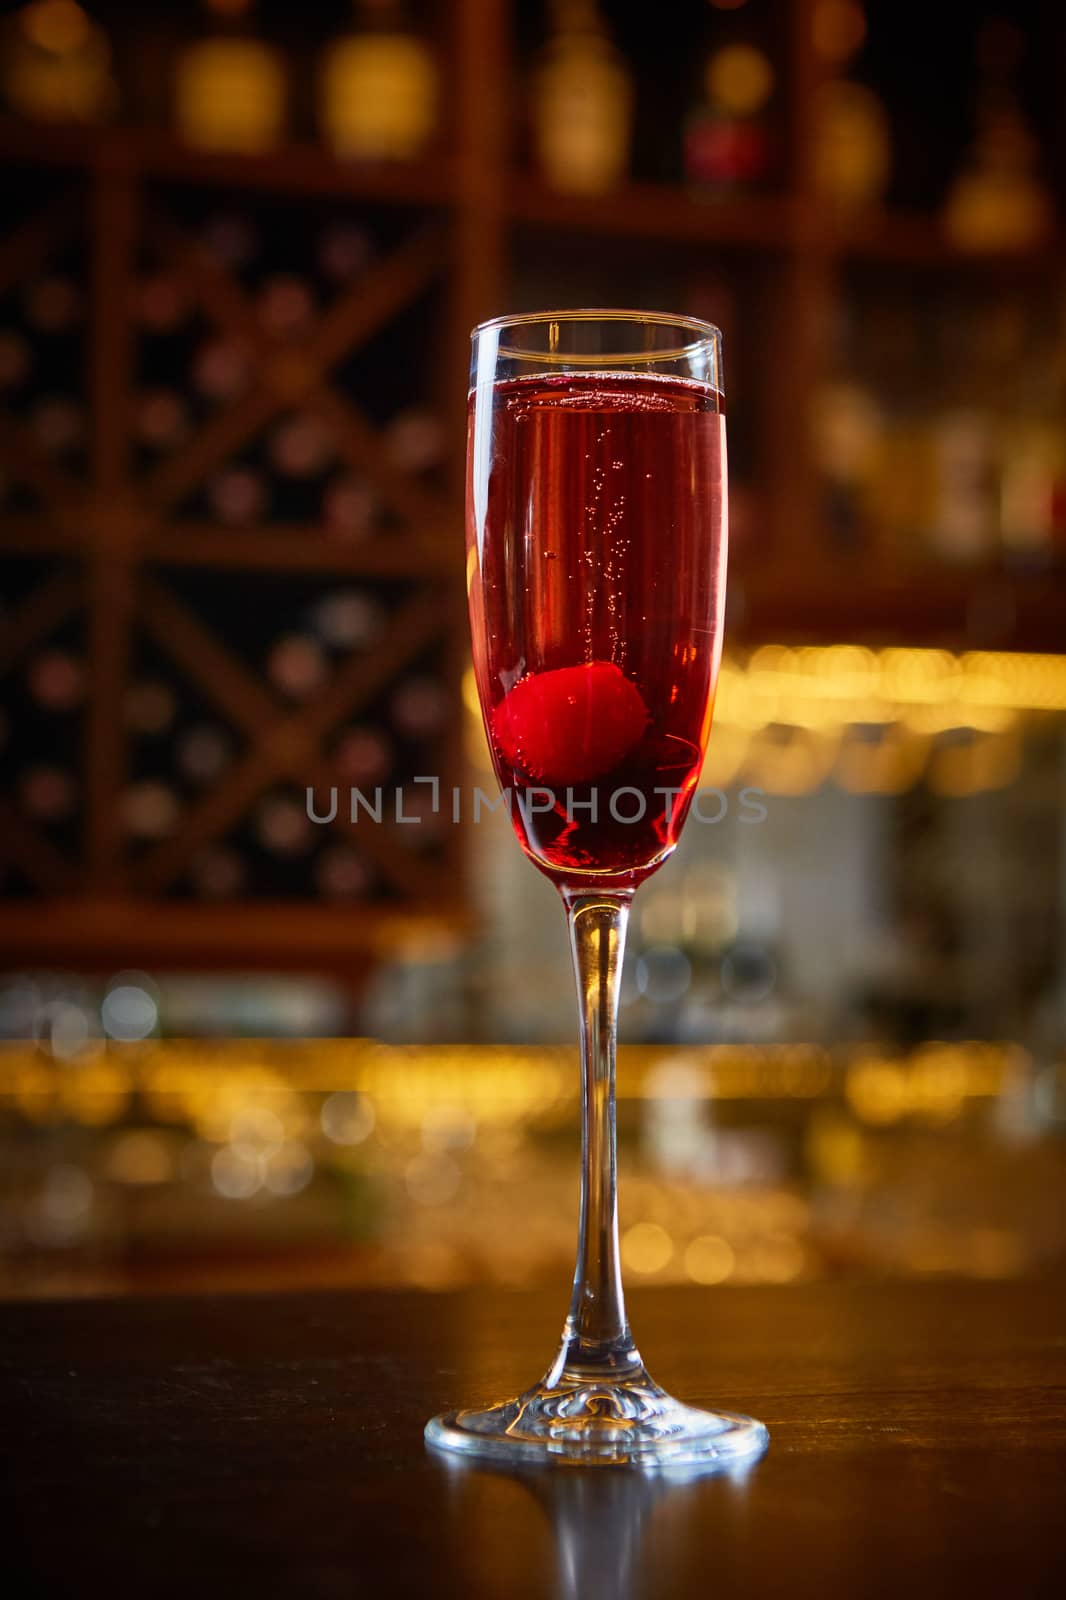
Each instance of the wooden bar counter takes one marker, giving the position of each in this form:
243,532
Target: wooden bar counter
272,1446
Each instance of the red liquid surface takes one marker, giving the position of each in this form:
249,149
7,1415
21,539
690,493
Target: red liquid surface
596,538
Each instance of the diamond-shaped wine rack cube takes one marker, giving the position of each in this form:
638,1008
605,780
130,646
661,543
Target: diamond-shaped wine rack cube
291,397
239,730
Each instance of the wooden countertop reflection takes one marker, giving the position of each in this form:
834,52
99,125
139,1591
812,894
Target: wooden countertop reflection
254,1445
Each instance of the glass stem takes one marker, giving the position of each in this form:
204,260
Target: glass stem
596,1340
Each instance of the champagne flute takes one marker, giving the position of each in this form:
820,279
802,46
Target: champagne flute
596,550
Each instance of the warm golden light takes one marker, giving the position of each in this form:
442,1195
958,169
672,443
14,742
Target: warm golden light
838,28
58,26
739,79
444,1132
378,96
252,1095
789,717
646,1248
230,95
709,1259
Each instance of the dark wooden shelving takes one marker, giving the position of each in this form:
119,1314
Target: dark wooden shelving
98,934
118,534
288,170
773,222
278,549
851,600
917,239
125,545
658,211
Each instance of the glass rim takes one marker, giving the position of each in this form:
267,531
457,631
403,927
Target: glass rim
708,335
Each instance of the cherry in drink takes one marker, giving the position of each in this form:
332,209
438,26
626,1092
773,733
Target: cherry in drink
596,560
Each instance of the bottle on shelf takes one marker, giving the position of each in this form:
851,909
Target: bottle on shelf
903,490
848,429
874,448
852,138
1032,486
55,64
1032,490
838,31
378,88
964,444
1058,400
582,104
229,86
851,429
965,523
727,140
999,200
853,145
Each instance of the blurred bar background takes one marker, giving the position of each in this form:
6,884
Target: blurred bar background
242,250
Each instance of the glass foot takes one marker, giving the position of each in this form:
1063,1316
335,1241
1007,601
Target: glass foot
629,1422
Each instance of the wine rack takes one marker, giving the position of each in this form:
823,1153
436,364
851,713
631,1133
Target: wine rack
229,575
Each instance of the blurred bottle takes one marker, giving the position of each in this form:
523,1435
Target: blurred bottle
848,430
582,104
852,139
1033,475
853,146
416,439
904,491
229,88
55,64
964,434
848,424
727,141
1033,485
838,31
1058,506
999,201
149,809
888,343
344,251
378,88
965,523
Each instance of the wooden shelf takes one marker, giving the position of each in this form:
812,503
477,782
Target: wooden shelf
866,602
99,935
773,222
658,211
917,239
850,599
290,169
769,222
278,549
270,549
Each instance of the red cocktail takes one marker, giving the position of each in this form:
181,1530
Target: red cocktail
596,546
596,605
